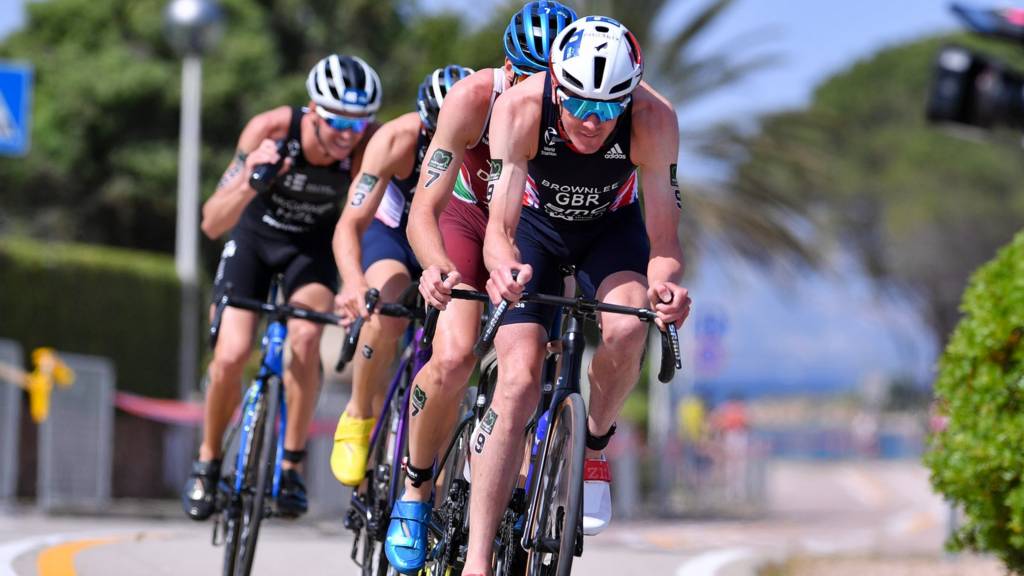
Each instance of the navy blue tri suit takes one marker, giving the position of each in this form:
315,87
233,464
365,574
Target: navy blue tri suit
289,229
385,238
578,209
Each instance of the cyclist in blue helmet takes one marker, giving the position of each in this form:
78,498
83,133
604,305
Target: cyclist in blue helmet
446,229
529,34
371,250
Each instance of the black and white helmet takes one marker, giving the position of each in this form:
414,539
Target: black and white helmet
345,84
597,58
434,88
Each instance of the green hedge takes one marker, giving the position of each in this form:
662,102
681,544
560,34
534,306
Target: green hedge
117,303
977,462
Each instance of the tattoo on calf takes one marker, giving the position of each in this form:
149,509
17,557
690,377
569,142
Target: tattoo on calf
364,188
419,400
484,430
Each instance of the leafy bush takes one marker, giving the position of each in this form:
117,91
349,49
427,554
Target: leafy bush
977,461
117,303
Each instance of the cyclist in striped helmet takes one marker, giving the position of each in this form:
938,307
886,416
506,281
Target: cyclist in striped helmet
571,148
284,230
446,229
371,250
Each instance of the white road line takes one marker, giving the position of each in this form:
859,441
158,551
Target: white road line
10,551
709,563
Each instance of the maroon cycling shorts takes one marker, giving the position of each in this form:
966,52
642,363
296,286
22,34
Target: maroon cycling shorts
462,229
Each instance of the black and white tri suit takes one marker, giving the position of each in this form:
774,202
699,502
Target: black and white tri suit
289,229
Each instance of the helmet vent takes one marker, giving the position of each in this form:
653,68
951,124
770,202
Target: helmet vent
573,80
565,40
620,86
602,29
599,64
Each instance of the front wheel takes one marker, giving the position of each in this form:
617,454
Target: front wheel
558,502
261,464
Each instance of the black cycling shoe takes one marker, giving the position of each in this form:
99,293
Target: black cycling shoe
291,499
200,494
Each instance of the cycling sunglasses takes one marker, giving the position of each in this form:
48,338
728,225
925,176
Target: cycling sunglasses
583,108
341,123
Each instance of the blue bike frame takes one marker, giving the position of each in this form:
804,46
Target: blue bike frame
272,365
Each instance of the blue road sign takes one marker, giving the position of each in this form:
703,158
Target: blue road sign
15,108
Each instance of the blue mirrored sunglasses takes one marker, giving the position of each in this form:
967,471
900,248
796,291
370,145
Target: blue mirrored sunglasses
340,123
582,108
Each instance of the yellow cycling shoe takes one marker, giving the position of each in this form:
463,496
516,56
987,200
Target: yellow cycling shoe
351,447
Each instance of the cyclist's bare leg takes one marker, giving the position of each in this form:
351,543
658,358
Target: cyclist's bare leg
302,376
434,408
381,334
616,365
224,389
496,465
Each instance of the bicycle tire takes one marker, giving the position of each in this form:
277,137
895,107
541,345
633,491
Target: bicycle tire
233,500
380,469
254,508
559,496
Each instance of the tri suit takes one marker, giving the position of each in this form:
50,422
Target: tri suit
580,210
463,222
385,238
288,229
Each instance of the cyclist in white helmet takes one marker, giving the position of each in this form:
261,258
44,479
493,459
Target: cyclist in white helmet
580,139
287,230
448,218
371,250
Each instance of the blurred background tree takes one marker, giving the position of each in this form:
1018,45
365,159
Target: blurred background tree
919,207
103,163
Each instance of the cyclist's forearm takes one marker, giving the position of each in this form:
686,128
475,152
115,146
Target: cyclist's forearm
222,211
666,266
348,254
427,243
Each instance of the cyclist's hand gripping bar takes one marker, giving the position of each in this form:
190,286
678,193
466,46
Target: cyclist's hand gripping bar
348,348
263,175
483,344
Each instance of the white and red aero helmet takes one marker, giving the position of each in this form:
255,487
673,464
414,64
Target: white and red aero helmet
597,58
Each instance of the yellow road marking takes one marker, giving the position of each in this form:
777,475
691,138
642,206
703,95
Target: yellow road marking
60,560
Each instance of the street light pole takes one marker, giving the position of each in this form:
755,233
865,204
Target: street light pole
192,27
186,240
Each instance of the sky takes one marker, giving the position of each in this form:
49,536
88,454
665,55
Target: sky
813,331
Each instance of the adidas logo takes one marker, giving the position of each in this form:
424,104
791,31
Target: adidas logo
614,153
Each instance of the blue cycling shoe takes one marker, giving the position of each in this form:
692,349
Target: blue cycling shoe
406,544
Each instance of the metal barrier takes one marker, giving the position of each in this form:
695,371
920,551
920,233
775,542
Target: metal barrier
76,442
10,422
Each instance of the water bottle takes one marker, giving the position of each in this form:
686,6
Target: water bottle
538,438
540,434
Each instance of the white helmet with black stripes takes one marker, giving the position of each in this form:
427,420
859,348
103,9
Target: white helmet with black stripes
345,84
